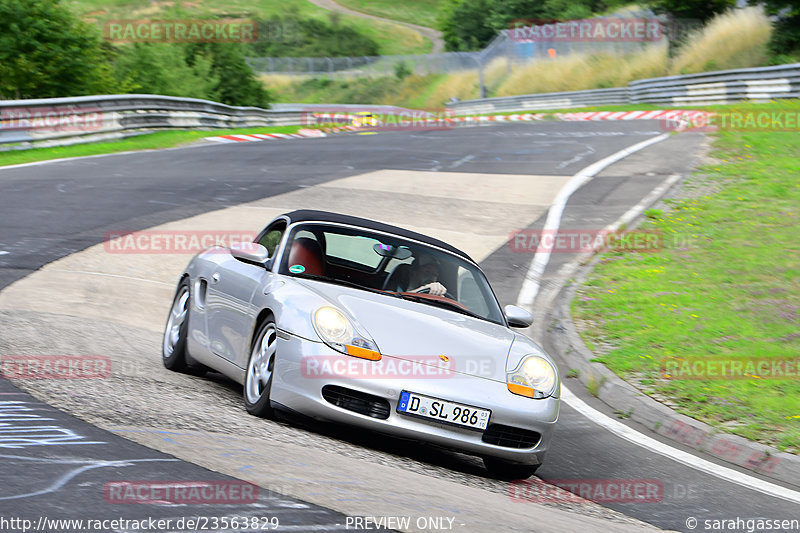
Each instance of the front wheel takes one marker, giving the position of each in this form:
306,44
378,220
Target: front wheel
173,348
258,382
508,471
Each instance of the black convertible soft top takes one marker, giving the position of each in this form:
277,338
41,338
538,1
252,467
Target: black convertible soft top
310,215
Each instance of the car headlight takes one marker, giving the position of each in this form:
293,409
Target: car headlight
336,330
535,377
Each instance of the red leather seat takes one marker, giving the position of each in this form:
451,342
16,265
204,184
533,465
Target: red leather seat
308,253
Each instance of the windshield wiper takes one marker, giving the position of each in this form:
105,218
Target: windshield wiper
346,283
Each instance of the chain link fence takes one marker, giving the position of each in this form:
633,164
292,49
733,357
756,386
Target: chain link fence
509,45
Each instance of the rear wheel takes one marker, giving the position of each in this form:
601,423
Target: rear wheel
258,381
508,471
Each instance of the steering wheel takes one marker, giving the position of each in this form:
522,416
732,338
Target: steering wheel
427,290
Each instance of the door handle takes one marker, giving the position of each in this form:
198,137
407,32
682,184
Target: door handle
215,278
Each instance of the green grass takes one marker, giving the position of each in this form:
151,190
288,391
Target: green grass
726,285
410,91
151,141
392,38
421,12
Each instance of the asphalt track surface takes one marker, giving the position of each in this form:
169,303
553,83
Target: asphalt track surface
50,211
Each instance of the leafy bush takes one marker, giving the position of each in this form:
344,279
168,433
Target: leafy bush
471,24
163,69
236,85
46,52
290,35
402,70
213,71
786,35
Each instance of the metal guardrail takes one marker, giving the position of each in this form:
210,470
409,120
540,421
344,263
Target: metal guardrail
62,121
721,87
541,101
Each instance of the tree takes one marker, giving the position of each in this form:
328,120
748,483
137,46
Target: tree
163,69
472,24
235,82
786,35
465,25
45,51
692,10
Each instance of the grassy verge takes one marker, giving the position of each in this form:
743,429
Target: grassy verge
725,286
151,141
422,12
412,91
392,38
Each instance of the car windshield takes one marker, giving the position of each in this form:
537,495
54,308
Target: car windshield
390,265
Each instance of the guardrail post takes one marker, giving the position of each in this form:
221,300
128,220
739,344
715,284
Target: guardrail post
481,85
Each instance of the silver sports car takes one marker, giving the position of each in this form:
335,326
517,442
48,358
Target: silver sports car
349,320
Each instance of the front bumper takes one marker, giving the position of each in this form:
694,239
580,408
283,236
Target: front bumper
296,388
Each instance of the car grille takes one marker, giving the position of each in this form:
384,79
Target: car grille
510,437
356,401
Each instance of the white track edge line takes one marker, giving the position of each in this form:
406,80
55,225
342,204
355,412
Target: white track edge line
530,285
685,458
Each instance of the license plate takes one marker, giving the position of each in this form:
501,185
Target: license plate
443,411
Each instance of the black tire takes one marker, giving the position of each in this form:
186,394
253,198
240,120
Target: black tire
260,366
508,471
174,353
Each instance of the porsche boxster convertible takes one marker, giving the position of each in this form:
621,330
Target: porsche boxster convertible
349,320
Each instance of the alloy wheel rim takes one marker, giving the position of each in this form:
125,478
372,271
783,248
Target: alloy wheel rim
259,370
177,316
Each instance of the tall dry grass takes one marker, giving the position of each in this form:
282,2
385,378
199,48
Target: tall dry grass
736,39
278,82
461,85
576,72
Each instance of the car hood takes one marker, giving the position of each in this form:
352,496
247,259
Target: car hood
419,332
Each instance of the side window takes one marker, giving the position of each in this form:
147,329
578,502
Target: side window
272,238
470,294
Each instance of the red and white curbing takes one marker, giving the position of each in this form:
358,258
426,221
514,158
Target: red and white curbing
675,115
680,117
304,133
524,117
670,114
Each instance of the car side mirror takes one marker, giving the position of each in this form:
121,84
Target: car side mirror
517,317
250,252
